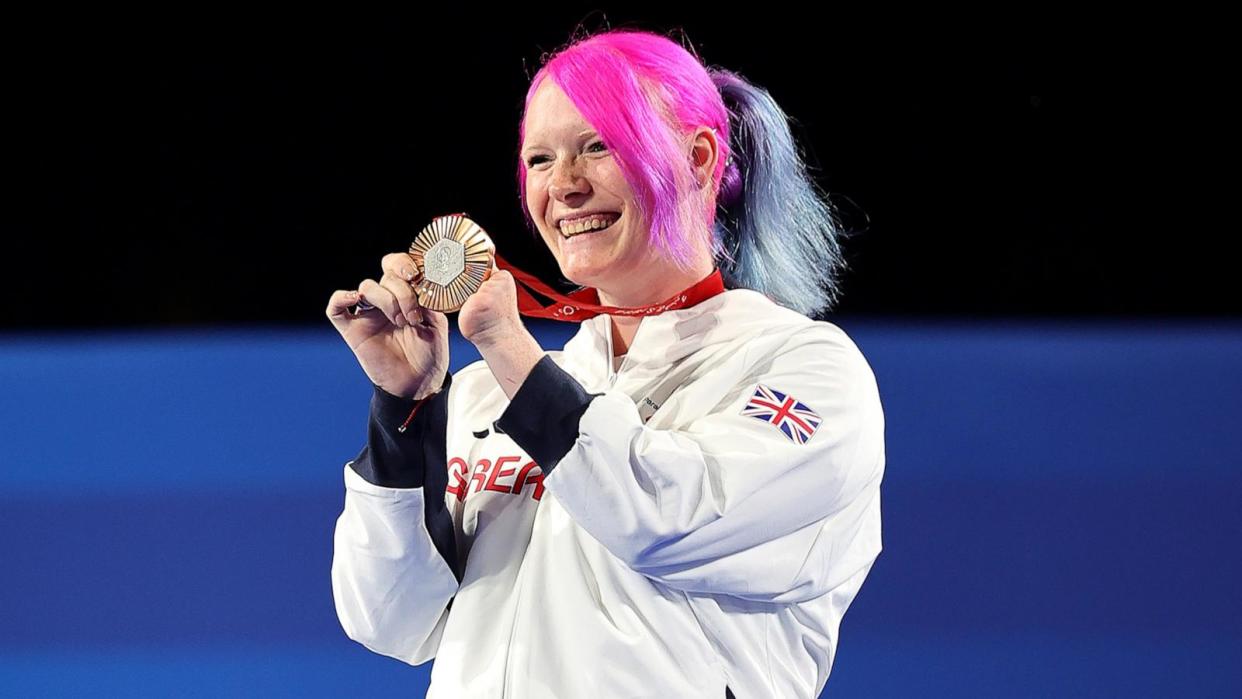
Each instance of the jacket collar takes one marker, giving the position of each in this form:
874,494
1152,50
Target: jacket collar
666,339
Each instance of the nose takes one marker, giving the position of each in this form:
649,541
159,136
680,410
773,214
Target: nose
567,182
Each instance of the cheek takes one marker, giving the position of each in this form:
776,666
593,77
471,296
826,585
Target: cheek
536,203
530,195
609,179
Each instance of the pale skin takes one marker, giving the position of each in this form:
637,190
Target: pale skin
403,348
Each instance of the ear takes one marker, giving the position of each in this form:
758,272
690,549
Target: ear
704,151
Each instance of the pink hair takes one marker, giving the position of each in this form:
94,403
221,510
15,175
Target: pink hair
644,93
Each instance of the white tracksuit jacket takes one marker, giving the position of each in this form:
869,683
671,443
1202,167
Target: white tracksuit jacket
655,531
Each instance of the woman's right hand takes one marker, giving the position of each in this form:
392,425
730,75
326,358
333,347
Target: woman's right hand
402,347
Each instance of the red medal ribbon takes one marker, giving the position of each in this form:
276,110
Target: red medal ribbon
584,303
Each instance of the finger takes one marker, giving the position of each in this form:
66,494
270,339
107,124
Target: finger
401,266
371,292
406,298
437,324
338,307
436,319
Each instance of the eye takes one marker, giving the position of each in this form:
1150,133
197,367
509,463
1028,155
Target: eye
597,147
534,160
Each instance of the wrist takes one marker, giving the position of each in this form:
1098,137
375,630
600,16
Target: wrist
511,358
501,339
420,391
425,393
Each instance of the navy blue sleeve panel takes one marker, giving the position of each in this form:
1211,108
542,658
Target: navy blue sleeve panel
413,457
544,414
396,458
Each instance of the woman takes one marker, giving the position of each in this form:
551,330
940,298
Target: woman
682,502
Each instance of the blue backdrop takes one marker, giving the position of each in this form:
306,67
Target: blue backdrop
1062,513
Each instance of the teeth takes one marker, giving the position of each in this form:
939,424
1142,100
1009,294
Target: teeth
590,223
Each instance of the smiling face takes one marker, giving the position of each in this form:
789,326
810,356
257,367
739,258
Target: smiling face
580,202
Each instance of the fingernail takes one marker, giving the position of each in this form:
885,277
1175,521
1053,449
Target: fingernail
412,317
408,272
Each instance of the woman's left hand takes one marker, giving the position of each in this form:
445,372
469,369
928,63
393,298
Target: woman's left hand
489,319
490,315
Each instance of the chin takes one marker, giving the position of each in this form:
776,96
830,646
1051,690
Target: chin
582,272
591,268
580,276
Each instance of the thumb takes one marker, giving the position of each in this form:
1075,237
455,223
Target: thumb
493,271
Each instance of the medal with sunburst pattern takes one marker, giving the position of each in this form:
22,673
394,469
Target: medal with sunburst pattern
453,256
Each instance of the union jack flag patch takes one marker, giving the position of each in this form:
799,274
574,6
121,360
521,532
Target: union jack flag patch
794,419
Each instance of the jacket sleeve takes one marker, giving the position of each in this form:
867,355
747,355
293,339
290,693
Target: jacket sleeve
394,567
730,503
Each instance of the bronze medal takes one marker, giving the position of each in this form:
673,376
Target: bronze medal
452,257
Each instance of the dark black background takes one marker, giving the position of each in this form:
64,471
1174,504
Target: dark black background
228,169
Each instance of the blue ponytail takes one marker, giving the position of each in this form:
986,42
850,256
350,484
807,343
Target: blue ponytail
775,231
